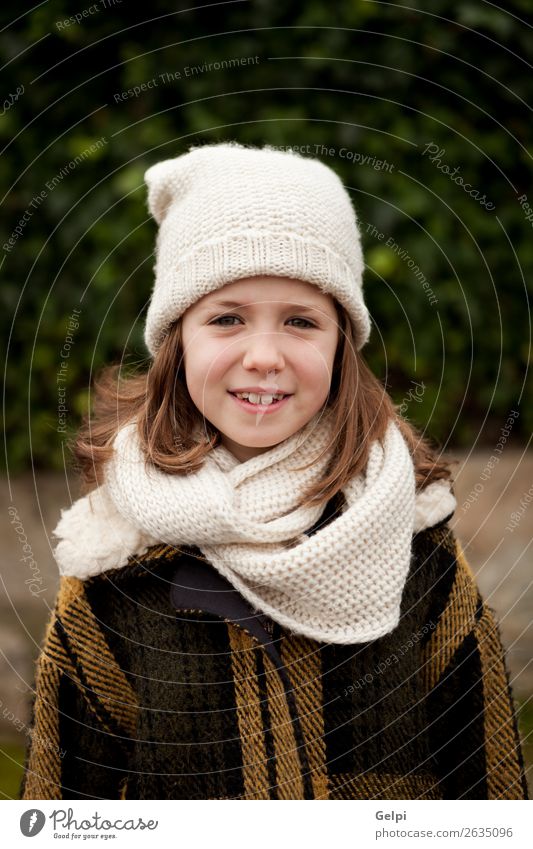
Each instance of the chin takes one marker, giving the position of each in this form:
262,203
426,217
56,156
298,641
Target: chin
261,440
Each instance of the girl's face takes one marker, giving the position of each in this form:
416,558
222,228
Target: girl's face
267,335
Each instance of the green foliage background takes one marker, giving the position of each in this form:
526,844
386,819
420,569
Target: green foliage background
379,79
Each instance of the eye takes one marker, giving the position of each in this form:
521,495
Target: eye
222,317
307,322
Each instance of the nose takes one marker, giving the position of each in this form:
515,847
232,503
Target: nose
263,352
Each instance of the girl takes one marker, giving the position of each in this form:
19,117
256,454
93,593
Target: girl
260,594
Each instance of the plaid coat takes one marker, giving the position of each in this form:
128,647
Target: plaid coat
158,681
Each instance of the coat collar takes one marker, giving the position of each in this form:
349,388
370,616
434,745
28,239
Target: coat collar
196,585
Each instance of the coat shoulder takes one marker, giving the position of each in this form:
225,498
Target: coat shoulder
440,569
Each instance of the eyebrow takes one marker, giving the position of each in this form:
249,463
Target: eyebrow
238,305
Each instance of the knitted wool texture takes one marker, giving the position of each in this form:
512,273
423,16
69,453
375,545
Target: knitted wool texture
226,212
341,585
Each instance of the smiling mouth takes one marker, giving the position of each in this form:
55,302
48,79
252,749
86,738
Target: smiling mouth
259,404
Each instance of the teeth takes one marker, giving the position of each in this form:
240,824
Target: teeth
253,398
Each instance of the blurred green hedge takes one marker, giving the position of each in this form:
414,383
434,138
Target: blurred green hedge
361,79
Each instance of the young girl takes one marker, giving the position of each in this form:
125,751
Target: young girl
260,594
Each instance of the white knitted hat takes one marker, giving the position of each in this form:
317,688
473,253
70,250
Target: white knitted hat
226,211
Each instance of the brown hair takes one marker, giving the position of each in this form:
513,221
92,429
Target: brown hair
158,400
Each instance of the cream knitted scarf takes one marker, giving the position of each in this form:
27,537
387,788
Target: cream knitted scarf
343,584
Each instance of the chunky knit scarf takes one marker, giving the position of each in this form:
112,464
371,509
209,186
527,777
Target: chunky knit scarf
342,584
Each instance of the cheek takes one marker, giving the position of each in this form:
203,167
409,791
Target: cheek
315,365
206,360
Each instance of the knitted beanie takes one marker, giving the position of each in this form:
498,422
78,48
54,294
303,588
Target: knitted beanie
226,211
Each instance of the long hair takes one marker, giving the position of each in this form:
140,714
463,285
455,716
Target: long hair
158,401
